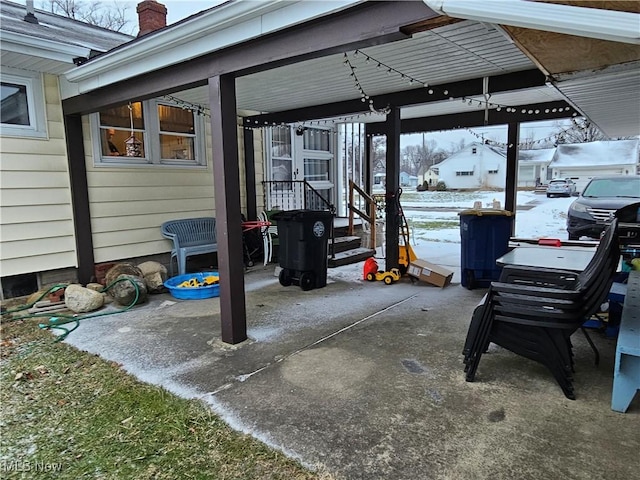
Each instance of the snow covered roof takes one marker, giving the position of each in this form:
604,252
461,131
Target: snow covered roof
615,152
57,29
543,155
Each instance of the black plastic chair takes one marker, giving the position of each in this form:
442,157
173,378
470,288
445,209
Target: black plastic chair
535,312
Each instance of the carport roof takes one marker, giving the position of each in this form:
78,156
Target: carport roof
435,51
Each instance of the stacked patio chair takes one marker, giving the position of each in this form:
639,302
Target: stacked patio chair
534,311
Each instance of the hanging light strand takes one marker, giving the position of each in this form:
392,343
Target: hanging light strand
444,91
363,95
199,110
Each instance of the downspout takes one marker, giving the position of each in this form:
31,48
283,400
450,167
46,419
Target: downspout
603,24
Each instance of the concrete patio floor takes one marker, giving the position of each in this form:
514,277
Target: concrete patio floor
365,381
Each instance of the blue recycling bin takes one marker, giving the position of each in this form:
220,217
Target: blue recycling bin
484,235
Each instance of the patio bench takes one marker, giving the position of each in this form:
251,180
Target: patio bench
190,236
626,375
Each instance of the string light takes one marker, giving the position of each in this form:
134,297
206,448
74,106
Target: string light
556,137
486,103
195,108
363,95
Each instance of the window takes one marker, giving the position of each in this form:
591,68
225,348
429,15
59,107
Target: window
493,171
464,174
474,150
149,132
281,161
22,104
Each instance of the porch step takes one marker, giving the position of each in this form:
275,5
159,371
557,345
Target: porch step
342,244
348,257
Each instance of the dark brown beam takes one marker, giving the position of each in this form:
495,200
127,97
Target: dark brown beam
79,197
392,184
499,83
476,118
226,182
250,175
365,25
511,190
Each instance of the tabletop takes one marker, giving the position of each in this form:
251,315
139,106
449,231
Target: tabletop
565,258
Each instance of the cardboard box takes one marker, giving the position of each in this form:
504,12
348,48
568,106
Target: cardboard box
430,273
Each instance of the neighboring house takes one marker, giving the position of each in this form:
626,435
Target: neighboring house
476,166
407,180
583,161
379,181
532,166
37,215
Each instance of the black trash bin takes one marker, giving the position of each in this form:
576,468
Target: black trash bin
485,237
304,235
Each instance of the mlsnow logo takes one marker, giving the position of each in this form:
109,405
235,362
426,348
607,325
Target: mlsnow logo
28,466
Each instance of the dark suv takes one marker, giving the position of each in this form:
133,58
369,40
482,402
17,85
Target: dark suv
597,203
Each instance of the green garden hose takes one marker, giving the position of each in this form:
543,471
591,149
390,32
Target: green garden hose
56,322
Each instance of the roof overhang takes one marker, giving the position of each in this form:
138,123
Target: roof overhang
59,55
228,24
611,25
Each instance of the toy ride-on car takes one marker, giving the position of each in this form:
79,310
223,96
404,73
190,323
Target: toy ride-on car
387,277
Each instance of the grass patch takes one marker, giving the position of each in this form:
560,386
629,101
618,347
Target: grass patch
435,224
68,414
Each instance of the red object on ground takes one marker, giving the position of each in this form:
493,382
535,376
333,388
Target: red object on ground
370,266
551,242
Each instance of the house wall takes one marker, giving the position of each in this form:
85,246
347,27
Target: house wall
35,199
479,163
582,175
128,204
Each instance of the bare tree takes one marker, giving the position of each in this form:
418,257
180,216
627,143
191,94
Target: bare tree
112,16
581,131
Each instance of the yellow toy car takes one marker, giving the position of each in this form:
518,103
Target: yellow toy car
387,277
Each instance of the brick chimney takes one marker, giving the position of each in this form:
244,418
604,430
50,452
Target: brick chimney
152,16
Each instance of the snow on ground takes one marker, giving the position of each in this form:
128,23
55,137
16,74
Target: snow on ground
436,233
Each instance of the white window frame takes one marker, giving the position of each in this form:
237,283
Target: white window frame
37,127
151,138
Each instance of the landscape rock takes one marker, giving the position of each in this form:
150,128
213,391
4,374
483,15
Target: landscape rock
155,275
97,287
124,292
121,269
80,299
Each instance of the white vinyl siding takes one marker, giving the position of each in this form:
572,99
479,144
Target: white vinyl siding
35,197
129,203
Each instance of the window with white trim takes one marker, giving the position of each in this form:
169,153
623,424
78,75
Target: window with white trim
152,132
464,174
22,107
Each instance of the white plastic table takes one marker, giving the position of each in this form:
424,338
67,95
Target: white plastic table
565,258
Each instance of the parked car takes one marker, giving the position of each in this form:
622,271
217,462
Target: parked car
561,187
597,203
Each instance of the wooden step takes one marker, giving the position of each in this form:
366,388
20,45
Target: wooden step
342,244
348,257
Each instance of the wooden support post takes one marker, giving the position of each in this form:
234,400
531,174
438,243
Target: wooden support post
392,129
79,197
226,179
250,174
511,190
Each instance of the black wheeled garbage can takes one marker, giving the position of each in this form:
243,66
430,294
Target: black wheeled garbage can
484,235
304,235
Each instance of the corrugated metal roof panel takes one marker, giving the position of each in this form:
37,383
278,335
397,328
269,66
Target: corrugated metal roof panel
610,99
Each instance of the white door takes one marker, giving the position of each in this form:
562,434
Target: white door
295,155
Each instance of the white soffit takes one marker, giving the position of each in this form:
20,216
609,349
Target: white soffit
451,53
611,99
